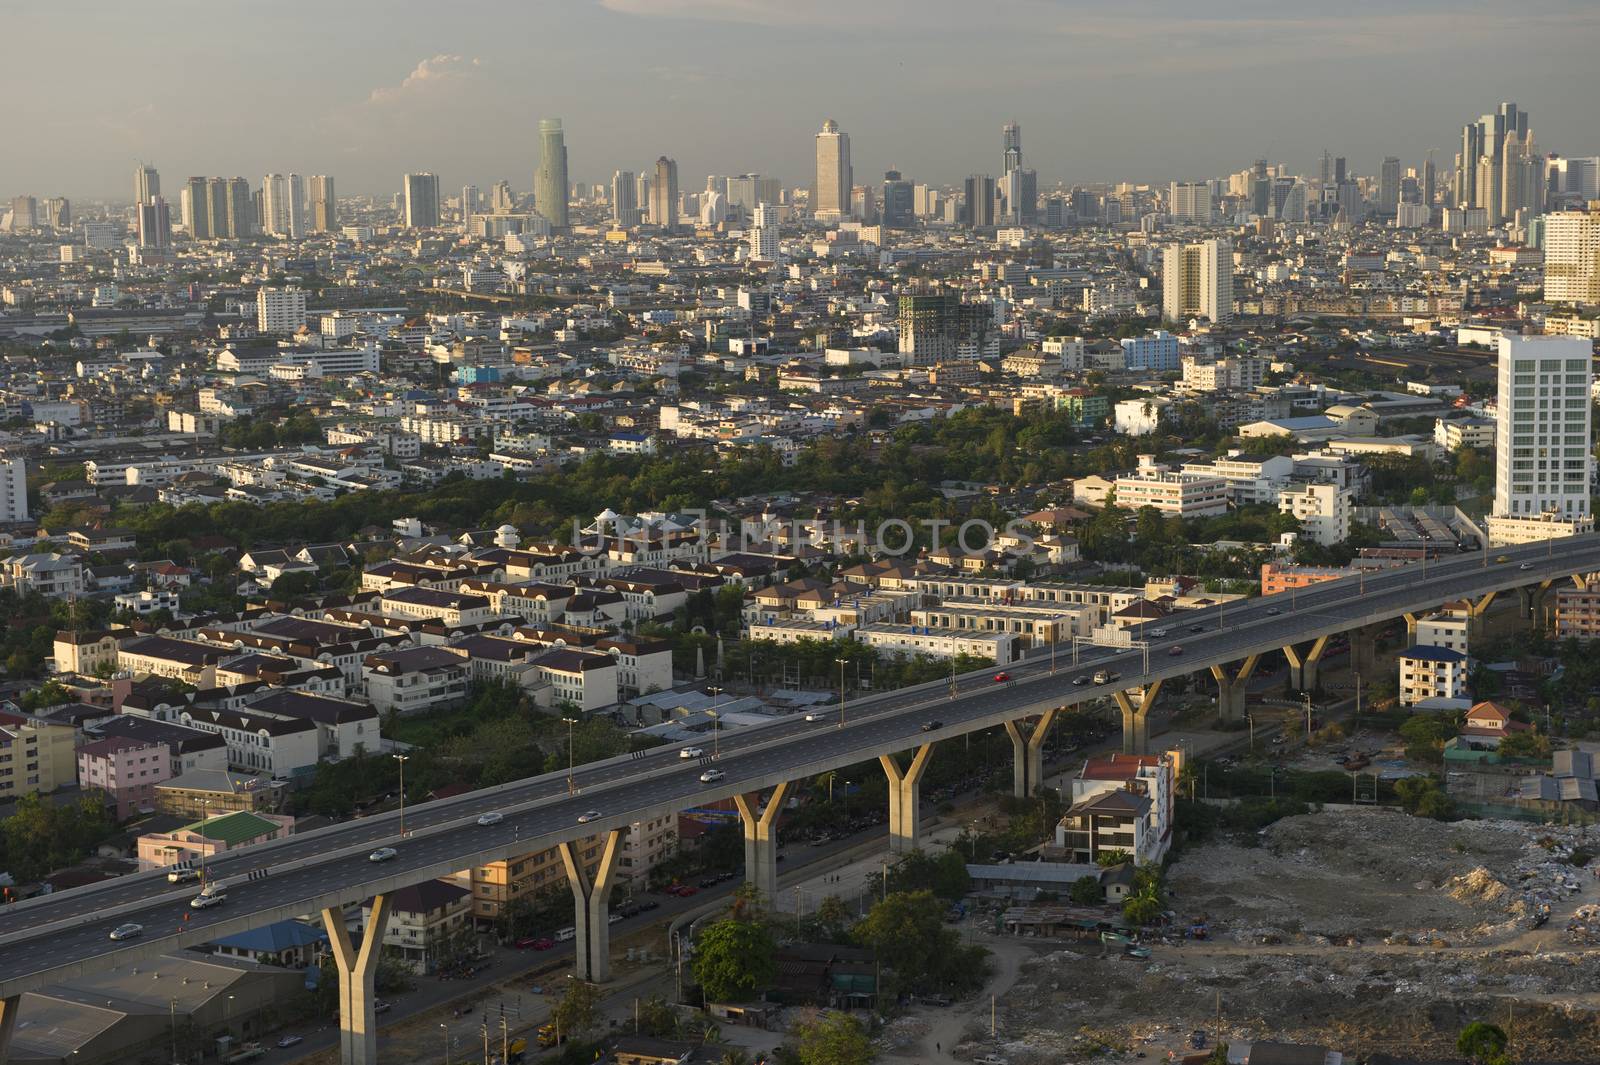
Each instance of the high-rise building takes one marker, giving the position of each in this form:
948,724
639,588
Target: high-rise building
1197,282
864,205
1352,207
155,225
977,210
550,183
240,209
502,201
196,209
58,213
421,200
1572,256
1427,180
280,310
283,205
624,198
1389,186
1011,147
1542,426
1327,168
1019,188
1191,200
764,235
214,207
1338,170
938,325
324,207
13,488
830,195
664,194
146,184
24,214
1260,189
897,211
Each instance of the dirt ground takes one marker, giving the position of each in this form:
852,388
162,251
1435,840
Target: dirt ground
1360,930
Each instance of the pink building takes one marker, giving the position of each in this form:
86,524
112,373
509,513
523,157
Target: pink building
211,837
126,769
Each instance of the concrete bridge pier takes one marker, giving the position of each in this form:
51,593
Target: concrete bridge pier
1135,717
591,896
1027,753
1531,598
1364,650
8,1025
1476,610
358,970
761,839
1232,690
905,798
1303,664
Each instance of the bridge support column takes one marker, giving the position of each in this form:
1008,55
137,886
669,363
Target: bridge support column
1476,610
905,798
1231,691
1364,650
8,1025
761,839
358,969
1136,718
591,896
1027,753
1531,598
1303,666
1411,628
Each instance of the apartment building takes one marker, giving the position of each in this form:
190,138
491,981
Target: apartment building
1187,495
35,755
424,921
1122,803
1431,673
1323,510
415,679
126,769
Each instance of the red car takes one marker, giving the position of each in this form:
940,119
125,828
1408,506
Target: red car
525,942
1001,678
685,890
543,943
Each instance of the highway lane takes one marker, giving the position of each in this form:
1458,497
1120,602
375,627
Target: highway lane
442,832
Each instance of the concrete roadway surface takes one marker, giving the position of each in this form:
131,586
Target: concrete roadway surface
441,834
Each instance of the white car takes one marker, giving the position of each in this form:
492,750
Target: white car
207,899
711,776
813,717
127,931
589,815
1158,633
382,854
493,817
691,752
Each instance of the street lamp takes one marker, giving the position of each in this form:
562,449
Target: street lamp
716,722
1308,717
205,806
571,785
1252,719
402,759
842,663
444,1030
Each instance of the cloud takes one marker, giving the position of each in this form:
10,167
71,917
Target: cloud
428,75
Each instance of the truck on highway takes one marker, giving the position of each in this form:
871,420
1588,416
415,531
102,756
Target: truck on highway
549,1036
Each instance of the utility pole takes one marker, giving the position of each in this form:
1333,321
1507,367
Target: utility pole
402,759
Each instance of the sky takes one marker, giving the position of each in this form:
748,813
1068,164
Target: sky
1136,90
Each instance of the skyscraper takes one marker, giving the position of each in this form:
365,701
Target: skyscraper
324,207
501,200
1011,145
1197,282
155,225
1327,168
197,209
283,205
421,200
215,208
664,194
240,209
1019,187
1338,170
1260,189
1389,186
146,184
977,210
764,235
1544,411
1191,200
1572,257
897,200
1427,179
830,195
624,198
550,182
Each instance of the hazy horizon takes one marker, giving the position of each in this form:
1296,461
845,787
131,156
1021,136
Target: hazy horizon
1147,92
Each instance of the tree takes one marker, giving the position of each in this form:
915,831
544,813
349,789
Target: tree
579,1008
733,960
1110,859
1483,1043
1086,891
1525,743
1218,1055
657,1019
831,1039
1423,797
907,932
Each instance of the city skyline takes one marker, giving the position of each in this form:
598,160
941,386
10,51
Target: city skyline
671,65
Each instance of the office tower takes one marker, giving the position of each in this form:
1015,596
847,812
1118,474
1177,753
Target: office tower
280,310
1011,145
1352,207
664,194
830,195
502,201
1389,186
1327,168
550,182
713,208
1260,189
1542,426
764,234
324,207
58,212
1190,200
24,213
297,206
146,184
624,198
1572,256
1197,282
898,210
864,205
1338,170
196,209
213,207
924,201
1488,193
937,326
155,225
240,209
421,200
1466,188
282,205
1427,179
1291,204
977,210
